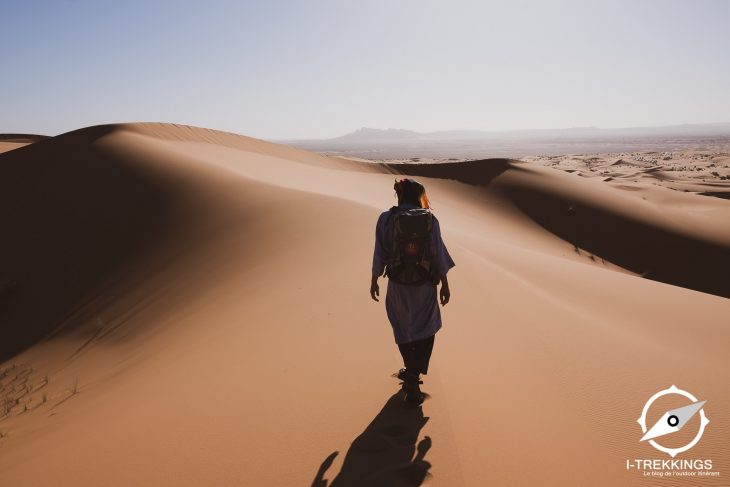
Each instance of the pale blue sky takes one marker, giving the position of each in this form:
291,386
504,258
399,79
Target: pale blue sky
305,69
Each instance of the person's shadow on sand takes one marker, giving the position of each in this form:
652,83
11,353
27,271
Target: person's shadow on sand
383,455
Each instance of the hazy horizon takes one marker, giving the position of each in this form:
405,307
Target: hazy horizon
289,70
722,126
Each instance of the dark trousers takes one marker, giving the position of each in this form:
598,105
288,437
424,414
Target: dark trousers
416,355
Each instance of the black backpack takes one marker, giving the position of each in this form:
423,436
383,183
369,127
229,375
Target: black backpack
411,254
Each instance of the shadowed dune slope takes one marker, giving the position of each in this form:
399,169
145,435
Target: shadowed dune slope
185,307
87,218
660,242
73,217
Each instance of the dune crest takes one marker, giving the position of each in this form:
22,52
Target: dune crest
651,234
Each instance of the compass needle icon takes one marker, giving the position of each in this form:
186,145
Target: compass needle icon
673,421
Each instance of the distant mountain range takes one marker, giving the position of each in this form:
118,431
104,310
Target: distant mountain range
367,134
395,143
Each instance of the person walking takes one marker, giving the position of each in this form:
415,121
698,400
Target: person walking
409,251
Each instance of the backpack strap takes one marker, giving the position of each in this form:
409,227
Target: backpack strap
392,211
389,237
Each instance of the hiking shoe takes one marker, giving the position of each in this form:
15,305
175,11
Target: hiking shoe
401,374
411,387
414,395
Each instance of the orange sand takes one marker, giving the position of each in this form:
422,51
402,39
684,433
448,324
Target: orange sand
184,307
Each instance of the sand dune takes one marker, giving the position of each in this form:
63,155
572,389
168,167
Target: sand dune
182,306
651,232
699,171
10,142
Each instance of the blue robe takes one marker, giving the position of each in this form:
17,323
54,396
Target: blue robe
413,311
